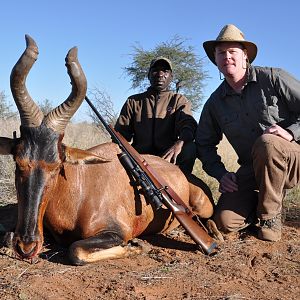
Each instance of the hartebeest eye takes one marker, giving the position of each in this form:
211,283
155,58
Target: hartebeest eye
23,165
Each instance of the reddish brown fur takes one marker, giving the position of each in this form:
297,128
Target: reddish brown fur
92,196
81,200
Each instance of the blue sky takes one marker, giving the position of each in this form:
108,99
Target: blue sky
105,31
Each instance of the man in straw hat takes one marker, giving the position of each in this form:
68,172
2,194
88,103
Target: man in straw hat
160,122
258,110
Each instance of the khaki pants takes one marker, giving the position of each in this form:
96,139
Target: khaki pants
276,167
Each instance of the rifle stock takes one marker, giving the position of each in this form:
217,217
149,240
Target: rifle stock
168,196
198,235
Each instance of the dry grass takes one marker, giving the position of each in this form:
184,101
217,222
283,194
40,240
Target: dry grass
8,126
7,166
229,158
85,135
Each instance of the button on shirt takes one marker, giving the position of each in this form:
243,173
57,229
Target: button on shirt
270,96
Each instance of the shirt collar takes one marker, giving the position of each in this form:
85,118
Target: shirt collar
152,91
251,75
226,89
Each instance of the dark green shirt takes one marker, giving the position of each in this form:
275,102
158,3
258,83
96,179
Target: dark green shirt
270,96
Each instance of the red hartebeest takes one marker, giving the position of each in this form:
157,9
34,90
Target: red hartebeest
84,198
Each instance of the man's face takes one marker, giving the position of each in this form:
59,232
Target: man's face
160,76
230,58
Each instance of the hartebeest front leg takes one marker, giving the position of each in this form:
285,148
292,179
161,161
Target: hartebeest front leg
106,245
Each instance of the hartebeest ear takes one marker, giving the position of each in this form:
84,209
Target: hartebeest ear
6,145
78,156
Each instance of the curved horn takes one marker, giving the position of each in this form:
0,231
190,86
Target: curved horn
30,113
58,118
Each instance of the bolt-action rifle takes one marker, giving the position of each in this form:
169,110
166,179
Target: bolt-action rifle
155,188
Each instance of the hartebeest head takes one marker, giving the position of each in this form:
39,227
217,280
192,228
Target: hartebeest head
39,152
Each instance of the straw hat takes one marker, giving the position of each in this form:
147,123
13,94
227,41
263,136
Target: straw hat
230,33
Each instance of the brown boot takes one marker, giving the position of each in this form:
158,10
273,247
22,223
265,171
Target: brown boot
270,230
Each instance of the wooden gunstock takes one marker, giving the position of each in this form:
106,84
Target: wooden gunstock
198,234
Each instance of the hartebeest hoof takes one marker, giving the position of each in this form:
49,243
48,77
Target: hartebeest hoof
214,231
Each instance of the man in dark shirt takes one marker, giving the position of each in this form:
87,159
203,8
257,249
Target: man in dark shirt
160,122
258,110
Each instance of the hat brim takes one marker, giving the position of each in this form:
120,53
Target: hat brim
209,47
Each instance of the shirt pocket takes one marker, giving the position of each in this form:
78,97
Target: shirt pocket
230,124
267,110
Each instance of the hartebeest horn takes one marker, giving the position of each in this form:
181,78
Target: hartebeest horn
58,118
30,113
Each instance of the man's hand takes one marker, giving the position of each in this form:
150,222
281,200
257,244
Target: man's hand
172,153
228,183
279,131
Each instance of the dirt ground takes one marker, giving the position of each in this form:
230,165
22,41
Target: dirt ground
243,267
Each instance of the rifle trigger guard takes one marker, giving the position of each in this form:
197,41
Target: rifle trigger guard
163,188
